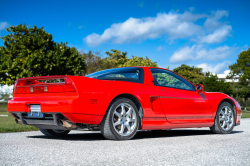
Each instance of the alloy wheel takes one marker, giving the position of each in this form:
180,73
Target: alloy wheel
124,119
226,118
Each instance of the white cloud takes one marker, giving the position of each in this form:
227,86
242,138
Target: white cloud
173,25
245,46
170,26
3,25
197,52
184,54
216,54
218,35
160,48
82,26
212,22
224,75
219,68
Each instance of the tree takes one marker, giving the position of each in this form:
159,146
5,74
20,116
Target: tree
139,61
242,69
212,84
117,58
93,62
193,74
29,52
241,91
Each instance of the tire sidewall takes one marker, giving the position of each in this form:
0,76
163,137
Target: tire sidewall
218,115
112,109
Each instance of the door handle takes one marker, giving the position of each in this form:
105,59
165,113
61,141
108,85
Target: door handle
162,90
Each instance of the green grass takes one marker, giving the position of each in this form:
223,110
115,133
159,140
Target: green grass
3,107
8,124
245,114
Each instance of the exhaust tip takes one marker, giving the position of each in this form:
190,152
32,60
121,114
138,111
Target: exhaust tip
19,122
69,125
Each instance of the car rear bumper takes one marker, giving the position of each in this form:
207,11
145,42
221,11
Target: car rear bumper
53,118
56,120
48,104
48,121
68,108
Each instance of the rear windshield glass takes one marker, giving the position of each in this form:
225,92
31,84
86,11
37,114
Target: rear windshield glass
131,74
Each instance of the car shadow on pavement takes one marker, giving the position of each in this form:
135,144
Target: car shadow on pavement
93,136
174,133
89,136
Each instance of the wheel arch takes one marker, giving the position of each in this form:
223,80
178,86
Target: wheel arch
229,101
136,102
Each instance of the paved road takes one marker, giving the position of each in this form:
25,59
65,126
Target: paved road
176,147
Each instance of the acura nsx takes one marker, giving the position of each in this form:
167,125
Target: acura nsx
119,102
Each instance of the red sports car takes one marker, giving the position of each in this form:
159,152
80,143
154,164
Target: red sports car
119,102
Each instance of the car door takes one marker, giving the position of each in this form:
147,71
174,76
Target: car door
179,99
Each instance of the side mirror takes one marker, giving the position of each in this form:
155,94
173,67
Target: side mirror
199,88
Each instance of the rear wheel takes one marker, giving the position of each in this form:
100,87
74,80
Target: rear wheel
54,133
121,121
224,121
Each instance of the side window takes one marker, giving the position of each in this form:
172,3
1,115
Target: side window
169,79
129,74
122,74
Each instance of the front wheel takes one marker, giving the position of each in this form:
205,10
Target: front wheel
224,121
54,133
121,121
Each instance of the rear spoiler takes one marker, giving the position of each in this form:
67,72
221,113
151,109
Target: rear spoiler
43,84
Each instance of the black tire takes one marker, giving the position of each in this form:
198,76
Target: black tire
217,128
54,133
107,126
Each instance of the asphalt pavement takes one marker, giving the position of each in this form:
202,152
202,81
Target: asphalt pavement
174,147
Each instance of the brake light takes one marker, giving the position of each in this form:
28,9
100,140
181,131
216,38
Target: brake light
52,85
14,88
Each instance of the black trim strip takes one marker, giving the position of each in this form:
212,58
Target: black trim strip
178,98
187,117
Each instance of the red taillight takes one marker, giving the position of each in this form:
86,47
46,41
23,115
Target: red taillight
22,89
61,88
44,86
14,88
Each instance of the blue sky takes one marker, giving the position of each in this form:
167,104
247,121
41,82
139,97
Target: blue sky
207,34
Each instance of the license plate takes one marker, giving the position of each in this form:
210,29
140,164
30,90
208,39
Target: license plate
35,115
35,108
35,111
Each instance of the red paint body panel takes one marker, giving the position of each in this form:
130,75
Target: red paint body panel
82,118
189,107
163,108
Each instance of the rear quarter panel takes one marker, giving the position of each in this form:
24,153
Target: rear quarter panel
105,91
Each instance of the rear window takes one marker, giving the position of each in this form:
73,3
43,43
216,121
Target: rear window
130,74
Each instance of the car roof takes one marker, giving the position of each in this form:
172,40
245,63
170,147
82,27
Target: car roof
145,67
